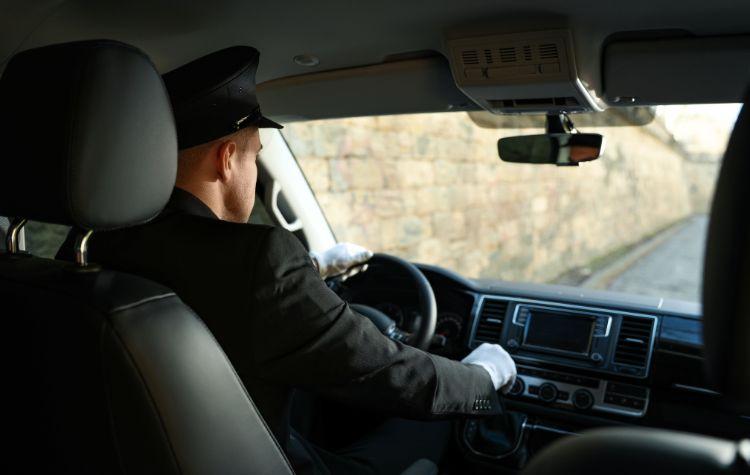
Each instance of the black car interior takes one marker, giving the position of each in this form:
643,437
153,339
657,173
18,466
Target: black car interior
725,329
114,374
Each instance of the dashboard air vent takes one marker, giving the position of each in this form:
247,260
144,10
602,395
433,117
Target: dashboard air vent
490,324
634,341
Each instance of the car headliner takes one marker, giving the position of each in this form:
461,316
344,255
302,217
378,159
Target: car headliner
346,34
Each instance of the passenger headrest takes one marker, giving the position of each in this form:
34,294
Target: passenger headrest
726,276
87,134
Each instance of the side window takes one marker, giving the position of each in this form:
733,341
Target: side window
44,239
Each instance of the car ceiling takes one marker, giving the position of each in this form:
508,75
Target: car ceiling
345,34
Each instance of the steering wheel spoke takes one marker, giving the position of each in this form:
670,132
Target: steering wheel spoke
424,327
400,336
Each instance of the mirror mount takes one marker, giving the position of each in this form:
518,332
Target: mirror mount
560,124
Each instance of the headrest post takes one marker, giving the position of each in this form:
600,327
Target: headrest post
81,248
14,231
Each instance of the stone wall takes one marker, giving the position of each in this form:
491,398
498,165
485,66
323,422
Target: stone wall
431,188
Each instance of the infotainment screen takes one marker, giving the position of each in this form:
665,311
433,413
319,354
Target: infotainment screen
559,331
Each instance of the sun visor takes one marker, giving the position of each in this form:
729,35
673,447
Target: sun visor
532,72
397,87
677,71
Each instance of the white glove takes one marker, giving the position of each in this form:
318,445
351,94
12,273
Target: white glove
343,258
497,362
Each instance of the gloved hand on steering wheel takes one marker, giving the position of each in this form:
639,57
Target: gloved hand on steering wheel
344,259
497,362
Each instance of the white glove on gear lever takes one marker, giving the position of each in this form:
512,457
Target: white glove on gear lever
343,258
497,362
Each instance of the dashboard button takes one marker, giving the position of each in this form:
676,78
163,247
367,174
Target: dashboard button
518,387
534,390
548,392
583,399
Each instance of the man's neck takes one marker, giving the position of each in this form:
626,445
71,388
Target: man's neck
208,196
185,202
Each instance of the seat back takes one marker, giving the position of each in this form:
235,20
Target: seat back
114,374
3,228
106,372
637,451
726,274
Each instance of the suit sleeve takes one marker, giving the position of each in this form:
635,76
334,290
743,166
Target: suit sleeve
315,341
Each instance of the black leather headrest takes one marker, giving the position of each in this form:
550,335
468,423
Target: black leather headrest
726,277
87,136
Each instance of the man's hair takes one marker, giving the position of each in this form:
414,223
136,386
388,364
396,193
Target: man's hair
241,137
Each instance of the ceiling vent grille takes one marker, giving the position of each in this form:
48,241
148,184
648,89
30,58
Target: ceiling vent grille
527,53
548,51
491,317
507,55
488,56
533,103
634,341
470,56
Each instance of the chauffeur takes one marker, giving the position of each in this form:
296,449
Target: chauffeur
261,295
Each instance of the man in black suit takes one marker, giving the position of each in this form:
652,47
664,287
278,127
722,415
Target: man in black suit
262,296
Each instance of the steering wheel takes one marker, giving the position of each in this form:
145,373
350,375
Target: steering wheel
427,306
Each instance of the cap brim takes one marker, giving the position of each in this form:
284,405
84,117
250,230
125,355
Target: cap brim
266,123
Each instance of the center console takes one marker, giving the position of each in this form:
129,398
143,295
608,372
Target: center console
586,360
600,357
580,393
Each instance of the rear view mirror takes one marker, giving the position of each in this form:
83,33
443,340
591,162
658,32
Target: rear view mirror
561,149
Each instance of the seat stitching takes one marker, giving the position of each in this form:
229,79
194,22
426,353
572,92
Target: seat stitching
148,391
242,386
144,301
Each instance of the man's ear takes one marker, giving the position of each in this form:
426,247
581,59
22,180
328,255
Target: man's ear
223,157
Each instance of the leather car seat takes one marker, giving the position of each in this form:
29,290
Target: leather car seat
726,330
4,223
105,372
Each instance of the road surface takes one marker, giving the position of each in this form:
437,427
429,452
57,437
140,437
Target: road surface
673,269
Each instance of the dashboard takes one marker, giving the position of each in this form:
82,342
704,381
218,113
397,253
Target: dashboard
450,329
602,344
585,358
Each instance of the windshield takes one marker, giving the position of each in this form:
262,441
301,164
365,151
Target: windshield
430,188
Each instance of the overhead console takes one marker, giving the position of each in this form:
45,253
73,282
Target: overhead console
604,355
531,72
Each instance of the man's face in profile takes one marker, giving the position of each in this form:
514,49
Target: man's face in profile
241,186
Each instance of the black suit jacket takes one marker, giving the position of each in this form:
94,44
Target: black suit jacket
257,291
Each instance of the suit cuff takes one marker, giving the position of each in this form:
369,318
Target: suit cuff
464,389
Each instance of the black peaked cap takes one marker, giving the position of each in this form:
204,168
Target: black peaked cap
214,96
